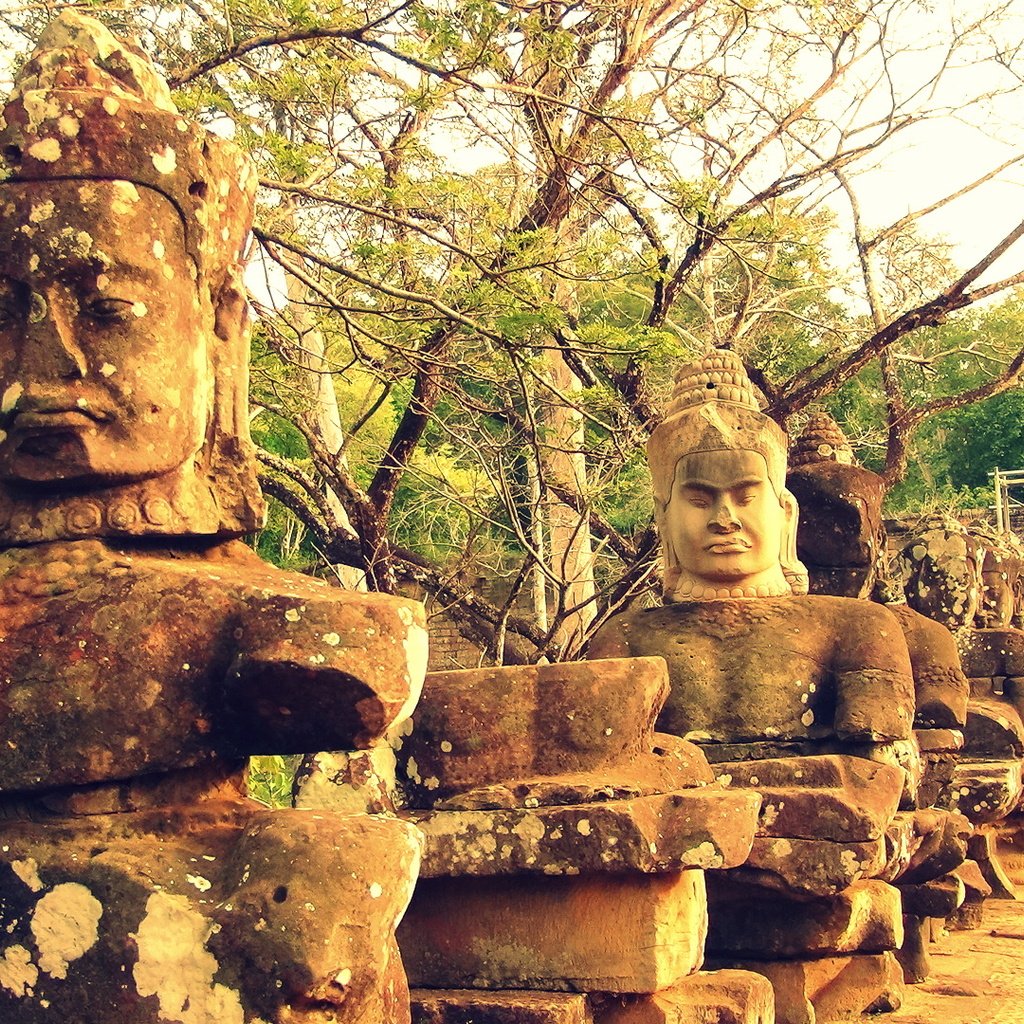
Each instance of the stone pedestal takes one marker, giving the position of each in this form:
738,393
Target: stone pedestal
567,853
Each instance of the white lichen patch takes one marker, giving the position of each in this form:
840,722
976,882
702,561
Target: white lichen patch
331,639
28,871
807,718
158,249
139,309
202,884
376,890
46,150
110,105
165,162
10,396
175,966
583,826
68,126
65,926
40,212
108,369
17,972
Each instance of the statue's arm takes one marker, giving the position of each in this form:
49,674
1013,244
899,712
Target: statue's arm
330,672
874,680
610,641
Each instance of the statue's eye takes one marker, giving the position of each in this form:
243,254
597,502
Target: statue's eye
109,308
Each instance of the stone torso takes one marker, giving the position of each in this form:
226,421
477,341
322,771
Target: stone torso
797,668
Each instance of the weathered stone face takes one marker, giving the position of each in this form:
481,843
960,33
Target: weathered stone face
718,466
724,520
104,365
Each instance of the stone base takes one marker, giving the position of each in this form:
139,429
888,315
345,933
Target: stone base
593,933
864,918
832,988
1000,860
709,997
913,955
470,1007
222,912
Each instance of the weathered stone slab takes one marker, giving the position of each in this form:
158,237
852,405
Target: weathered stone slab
464,1006
832,796
594,933
476,727
984,791
810,867
221,912
866,917
702,828
708,997
994,730
992,652
936,898
831,988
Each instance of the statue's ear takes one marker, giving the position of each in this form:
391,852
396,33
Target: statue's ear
669,561
230,308
792,568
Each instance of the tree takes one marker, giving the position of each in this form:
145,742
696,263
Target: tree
504,223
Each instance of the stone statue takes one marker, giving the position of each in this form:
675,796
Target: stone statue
146,652
840,538
798,668
798,696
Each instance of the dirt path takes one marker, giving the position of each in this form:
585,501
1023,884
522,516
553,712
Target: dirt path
977,977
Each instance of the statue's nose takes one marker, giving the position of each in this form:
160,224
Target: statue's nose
51,348
723,517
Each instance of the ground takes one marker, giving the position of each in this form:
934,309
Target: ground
977,976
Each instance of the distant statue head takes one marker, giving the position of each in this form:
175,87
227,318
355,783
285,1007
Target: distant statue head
123,323
841,538
1001,578
940,567
718,466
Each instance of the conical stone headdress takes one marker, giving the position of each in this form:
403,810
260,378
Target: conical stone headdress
714,407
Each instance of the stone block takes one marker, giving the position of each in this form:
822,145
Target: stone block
809,867
831,988
937,898
984,791
992,652
476,727
464,1006
594,933
710,827
994,730
708,997
831,796
937,844
939,684
350,782
864,918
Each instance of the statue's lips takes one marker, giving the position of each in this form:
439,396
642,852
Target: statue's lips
67,418
727,547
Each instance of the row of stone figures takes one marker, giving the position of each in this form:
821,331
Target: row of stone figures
745,807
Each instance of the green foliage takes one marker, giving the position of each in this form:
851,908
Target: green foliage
270,779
